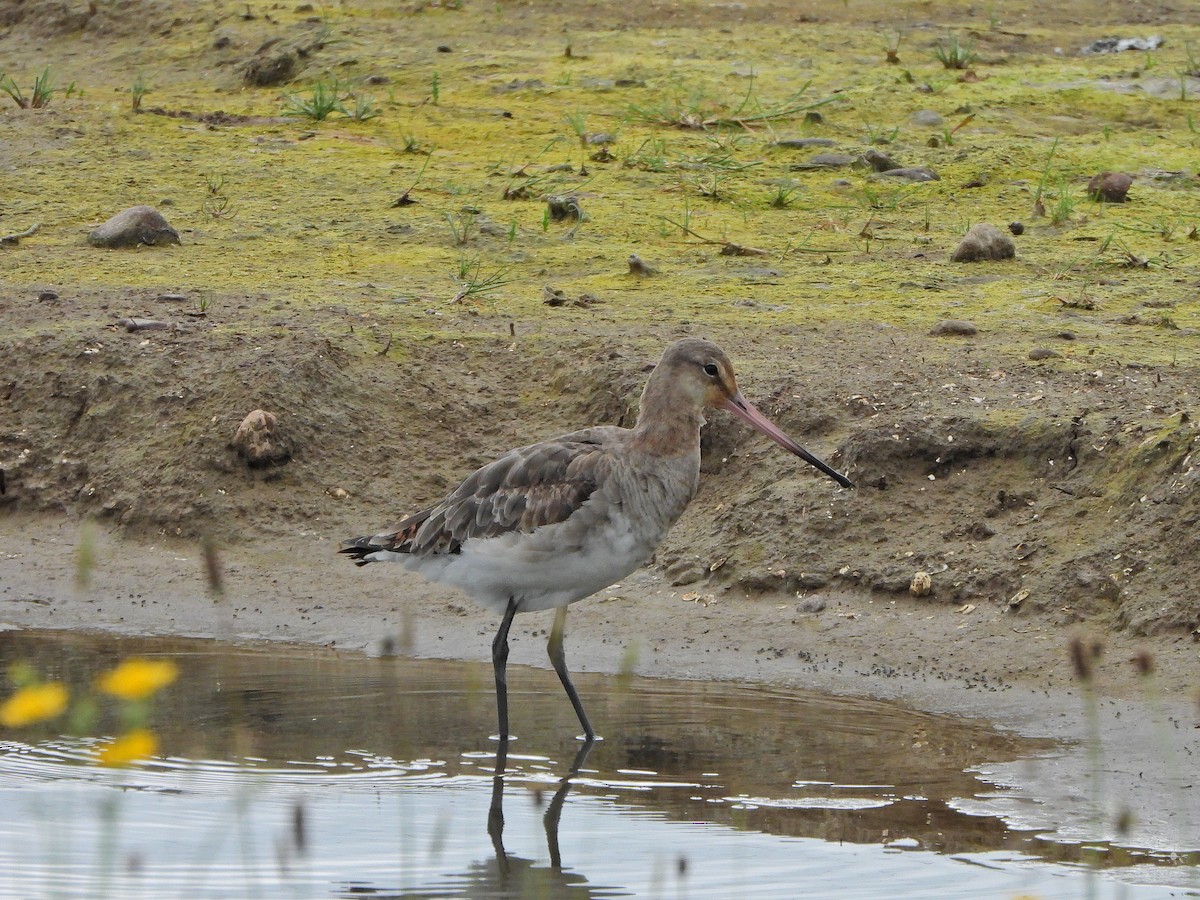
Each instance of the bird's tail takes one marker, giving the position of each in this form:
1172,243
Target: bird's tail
359,549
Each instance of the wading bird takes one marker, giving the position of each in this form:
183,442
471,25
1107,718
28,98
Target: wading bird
555,522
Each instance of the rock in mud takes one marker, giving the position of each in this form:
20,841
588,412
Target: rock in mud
914,174
1040,353
133,227
827,161
984,241
928,118
921,584
1109,187
259,442
814,604
136,324
272,65
802,143
954,327
880,162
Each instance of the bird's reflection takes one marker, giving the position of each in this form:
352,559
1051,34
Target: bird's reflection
506,864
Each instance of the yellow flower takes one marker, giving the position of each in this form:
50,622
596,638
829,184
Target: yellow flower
137,679
132,746
34,703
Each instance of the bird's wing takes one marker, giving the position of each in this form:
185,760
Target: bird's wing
541,484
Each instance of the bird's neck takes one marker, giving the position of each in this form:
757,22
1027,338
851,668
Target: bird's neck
666,426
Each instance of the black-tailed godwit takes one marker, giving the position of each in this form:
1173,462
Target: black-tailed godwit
557,521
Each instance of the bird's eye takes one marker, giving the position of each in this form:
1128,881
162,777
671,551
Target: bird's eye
711,371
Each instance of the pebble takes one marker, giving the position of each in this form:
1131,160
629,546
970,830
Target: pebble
802,143
1109,187
134,324
914,174
928,118
258,440
47,296
954,327
1038,353
1017,228
880,162
272,65
133,227
811,605
827,161
984,241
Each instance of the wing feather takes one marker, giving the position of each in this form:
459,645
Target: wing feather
527,488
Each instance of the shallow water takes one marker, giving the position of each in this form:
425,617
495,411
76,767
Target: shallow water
303,773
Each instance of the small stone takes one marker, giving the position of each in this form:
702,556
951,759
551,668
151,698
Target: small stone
804,143
133,227
880,162
1109,187
927,118
984,241
1017,228
812,117
921,584
272,65
914,174
954,328
135,324
1064,335
1038,353
814,604
827,161
444,48
258,440
339,493
47,296
637,266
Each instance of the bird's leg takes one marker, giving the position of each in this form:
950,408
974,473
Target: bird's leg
559,660
554,810
496,809
500,664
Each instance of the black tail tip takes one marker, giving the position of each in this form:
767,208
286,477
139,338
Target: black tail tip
358,549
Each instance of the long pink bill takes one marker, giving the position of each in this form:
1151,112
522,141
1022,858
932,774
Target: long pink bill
746,411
